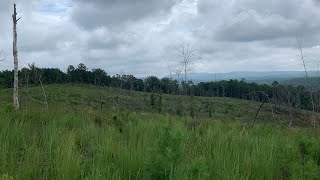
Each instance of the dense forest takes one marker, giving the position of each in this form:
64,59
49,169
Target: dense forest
296,97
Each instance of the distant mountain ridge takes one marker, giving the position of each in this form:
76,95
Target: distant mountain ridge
263,77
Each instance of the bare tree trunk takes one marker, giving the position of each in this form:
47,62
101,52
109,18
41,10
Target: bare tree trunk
44,92
185,85
317,94
257,113
189,55
171,90
307,78
15,56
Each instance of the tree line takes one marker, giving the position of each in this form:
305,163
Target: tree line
278,94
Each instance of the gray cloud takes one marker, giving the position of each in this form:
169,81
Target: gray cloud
100,13
139,37
249,20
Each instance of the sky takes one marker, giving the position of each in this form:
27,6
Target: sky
141,37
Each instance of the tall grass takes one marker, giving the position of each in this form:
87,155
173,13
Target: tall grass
67,144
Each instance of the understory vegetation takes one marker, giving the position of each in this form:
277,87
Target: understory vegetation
87,132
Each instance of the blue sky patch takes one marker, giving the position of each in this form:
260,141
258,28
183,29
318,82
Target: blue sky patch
58,7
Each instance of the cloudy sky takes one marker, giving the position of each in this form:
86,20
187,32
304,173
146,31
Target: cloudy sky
140,36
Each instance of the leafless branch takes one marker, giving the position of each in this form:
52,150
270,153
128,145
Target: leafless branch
188,55
3,56
266,99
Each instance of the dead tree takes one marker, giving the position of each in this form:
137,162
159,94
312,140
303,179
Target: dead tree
178,73
170,77
289,100
257,113
36,76
15,59
43,91
179,105
265,99
308,81
315,83
292,101
188,55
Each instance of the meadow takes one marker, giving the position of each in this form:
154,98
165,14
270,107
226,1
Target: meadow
87,132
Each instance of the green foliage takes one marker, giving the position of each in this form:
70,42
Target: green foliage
75,139
308,164
53,144
167,154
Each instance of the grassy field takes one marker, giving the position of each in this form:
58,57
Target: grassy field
124,137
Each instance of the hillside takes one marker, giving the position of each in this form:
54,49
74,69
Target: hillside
90,97
159,90
126,137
